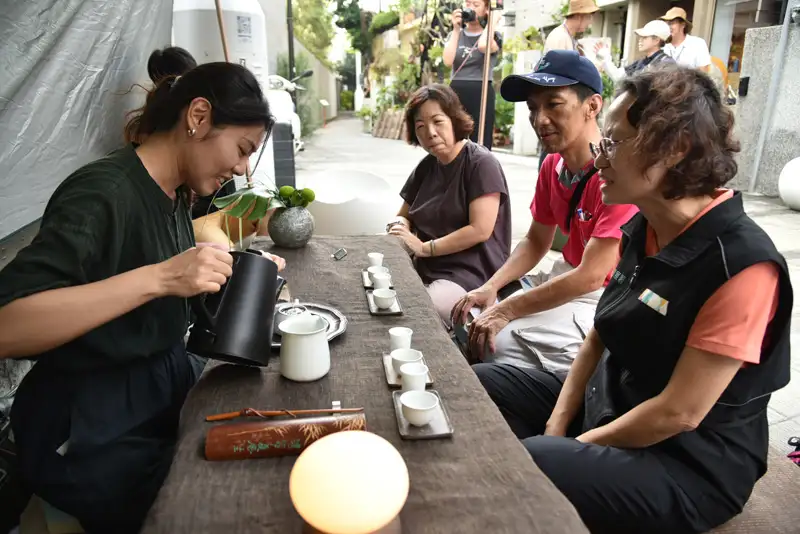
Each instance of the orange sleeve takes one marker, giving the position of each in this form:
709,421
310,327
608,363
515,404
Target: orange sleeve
733,322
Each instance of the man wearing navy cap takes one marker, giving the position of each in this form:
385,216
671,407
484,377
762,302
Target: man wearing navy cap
544,325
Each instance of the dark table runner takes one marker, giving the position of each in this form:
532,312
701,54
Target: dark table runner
482,480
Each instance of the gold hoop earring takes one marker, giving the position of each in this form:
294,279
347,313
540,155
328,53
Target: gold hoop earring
192,131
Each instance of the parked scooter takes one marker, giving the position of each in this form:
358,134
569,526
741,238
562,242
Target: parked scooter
279,96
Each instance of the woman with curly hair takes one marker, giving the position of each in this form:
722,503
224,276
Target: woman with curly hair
661,424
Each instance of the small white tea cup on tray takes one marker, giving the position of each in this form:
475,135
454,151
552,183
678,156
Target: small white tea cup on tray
414,376
384,298
382,280
375,269
419,407
401,357
375,259
400,338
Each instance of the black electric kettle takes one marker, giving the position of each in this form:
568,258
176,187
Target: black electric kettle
235,324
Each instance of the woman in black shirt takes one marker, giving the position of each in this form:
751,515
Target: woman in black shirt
99,299
465,52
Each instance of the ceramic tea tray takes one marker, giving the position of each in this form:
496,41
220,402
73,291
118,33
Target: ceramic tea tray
393,379
337,322
368,283
396,309
439,428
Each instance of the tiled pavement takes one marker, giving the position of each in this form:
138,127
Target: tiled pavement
341,146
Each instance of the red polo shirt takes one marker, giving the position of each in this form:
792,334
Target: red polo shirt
592,218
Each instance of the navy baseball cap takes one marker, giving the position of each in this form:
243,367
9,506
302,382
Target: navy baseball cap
558,68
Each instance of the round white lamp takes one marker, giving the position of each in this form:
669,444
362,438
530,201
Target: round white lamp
789,184
352,482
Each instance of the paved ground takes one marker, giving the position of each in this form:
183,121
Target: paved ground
342,146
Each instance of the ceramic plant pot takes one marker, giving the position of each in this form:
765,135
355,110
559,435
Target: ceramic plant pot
291,227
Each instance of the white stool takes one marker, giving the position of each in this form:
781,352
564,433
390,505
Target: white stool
351,202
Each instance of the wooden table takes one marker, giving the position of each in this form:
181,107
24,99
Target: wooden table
480,481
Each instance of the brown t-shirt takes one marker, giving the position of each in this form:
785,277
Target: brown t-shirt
439,196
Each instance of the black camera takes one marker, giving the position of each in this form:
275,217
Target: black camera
467,15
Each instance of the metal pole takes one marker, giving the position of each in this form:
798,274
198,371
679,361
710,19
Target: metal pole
290,26
777,70
487,67
222,30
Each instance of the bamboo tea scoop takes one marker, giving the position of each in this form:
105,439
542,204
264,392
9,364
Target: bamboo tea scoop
250,412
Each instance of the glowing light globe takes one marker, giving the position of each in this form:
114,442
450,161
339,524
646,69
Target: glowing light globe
352,482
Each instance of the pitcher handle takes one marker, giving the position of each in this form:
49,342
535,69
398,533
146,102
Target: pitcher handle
198,304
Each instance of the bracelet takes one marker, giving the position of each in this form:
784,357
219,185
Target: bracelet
433,247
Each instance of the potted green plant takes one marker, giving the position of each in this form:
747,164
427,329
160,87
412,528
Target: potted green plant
290,226
365,114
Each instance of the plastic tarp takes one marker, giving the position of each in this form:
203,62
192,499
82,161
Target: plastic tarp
66,72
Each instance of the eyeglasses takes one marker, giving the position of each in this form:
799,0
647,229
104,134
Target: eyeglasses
606,148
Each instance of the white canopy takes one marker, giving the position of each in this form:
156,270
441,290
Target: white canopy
66,72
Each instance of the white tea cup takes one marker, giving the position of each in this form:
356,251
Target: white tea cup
401,357
372,271
384,298
400,338
419,407
382,281
413,376
375,259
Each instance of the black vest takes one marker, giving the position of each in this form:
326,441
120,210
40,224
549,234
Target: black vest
724,457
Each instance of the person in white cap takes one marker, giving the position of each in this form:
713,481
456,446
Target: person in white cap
652,39
687,50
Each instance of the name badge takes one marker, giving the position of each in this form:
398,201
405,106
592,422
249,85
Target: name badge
654,301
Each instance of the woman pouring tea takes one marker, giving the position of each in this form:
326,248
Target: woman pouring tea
99,299
210,224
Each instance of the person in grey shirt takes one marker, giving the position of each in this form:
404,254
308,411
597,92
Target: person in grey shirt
465,52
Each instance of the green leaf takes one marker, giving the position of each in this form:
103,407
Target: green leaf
224,202
275,203
243,206
260,209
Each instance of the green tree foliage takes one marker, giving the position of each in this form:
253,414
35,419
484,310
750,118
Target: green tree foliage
347,70
349,17
346,100
313,25
383,21
561,13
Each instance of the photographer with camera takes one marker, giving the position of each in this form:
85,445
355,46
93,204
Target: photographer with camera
465,52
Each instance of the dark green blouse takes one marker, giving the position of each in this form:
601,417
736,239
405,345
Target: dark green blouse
107,218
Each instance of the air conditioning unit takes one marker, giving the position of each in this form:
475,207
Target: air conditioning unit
195,27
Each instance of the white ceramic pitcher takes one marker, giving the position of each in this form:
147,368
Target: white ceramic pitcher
305,355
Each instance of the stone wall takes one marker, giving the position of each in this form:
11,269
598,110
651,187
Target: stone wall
783,137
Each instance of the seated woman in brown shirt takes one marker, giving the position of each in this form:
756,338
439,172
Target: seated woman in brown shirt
455,219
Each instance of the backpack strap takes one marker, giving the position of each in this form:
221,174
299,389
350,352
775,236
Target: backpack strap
577,193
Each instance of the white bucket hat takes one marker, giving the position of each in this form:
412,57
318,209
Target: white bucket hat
655,28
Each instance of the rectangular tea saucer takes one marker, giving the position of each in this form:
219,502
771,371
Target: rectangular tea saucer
374,310
394,379
367,283
439,428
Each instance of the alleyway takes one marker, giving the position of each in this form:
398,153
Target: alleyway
342,145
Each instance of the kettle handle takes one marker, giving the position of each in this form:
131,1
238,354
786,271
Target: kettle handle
198,304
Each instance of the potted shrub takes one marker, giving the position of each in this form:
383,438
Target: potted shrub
365,114
291,226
